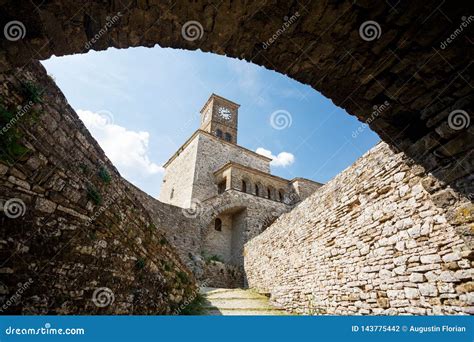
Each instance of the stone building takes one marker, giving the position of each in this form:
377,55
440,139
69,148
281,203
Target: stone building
227,187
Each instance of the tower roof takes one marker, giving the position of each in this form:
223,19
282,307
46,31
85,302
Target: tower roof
215,96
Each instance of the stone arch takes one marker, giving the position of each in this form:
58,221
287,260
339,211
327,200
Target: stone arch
281,195
269,192
244,185
359,73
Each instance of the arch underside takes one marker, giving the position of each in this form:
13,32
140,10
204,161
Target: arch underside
406,71
409,67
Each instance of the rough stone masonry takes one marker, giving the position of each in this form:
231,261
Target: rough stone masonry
382,237
73,237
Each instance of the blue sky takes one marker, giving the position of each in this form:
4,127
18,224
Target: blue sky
142,104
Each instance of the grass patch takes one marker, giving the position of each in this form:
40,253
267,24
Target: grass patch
214,257
195,307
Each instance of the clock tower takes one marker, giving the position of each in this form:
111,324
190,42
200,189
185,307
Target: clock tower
219,117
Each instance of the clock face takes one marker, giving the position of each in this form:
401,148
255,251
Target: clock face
224,113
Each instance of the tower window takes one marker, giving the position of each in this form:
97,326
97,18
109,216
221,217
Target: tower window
221,187
228,137
218,224
244,186
172,193
219,133
280,195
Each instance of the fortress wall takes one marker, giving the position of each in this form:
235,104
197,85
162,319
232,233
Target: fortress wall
77,228
181,227
382,237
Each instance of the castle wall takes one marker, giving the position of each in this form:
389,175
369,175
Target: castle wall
177,187
246,224
382,237
213,154
218,243
181,228
239,227
76,236
304,187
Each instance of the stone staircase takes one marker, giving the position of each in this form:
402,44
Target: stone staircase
241,302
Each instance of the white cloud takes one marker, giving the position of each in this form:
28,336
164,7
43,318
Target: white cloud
128,150
248,77
283,159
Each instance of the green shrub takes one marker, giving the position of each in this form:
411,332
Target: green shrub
104,175
140,264
183,277
94,195
84,168
32,92
10,146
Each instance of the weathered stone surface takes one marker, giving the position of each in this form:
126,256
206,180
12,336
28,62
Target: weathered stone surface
80,240
416,279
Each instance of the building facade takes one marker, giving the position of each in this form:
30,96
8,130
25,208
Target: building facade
230,189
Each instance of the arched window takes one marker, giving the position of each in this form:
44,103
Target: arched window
221,187
269,193
257,190
219,133
228,137
218,224
281,195
244,186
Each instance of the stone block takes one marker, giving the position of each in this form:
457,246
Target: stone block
430,259
428,290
